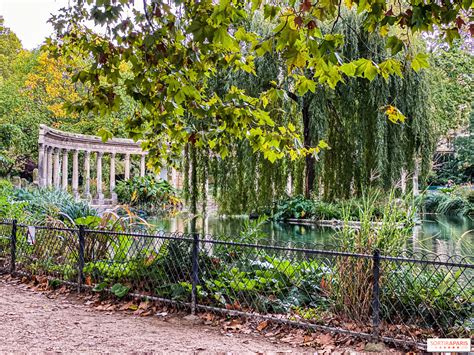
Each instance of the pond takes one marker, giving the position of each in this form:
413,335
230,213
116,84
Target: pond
446,235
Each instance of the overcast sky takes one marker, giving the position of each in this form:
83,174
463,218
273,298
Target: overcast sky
28,19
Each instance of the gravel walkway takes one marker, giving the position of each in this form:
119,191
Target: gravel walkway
31,322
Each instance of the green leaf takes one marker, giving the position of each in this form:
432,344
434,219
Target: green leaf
256,4
304,84
119,290
100,287
420,61
105,134
348,68
222,37
366,69
394,44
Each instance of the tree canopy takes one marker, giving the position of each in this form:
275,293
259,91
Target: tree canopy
174,49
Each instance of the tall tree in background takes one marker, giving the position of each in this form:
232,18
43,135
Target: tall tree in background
366,148
10,47
452,87
176,47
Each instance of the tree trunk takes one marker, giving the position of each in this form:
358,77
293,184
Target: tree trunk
310,172
194,181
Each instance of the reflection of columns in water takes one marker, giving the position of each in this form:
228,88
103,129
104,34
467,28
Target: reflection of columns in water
56,174
403,181
112,178
87,175
417,233
100,195
208,247
75,174
65,169
180,226
442,250
416,171
205,225
49,179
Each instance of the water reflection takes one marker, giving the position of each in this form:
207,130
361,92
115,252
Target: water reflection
437,234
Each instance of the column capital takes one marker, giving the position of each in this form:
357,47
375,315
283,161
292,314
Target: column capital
100,154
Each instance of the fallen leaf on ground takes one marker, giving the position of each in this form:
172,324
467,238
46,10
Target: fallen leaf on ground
262,325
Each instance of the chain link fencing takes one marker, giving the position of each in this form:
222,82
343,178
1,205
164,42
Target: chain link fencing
400,299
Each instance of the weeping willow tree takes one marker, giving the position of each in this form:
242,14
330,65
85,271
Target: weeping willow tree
366,149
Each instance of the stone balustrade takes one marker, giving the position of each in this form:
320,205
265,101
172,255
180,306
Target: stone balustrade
56,147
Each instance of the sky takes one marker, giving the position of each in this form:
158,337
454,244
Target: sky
28,19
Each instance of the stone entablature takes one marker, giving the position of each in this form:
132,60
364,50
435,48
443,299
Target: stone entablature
56,146
71,141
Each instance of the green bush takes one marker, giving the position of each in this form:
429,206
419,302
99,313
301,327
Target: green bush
148,192
45,202
299,207
427,297
455,200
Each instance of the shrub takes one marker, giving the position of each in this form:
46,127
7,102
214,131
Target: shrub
45,202
294,207
449,201
148,192
427,297
353,276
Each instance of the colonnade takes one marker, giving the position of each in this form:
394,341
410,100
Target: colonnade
57,147
54,171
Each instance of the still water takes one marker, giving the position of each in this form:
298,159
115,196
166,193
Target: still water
447,235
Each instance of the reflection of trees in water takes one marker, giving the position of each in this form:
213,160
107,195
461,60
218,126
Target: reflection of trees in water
437,234
448,234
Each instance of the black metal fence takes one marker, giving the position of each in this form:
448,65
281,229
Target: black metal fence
403,299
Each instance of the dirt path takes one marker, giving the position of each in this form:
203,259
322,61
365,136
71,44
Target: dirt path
31,322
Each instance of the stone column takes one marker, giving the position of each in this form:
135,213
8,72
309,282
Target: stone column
142,165
112,178
87,175
42,164
56,174
75,174
127,166
65,168
49,168
100,195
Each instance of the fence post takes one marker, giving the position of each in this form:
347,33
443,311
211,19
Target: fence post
376,295
195,272
80,274
13,247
